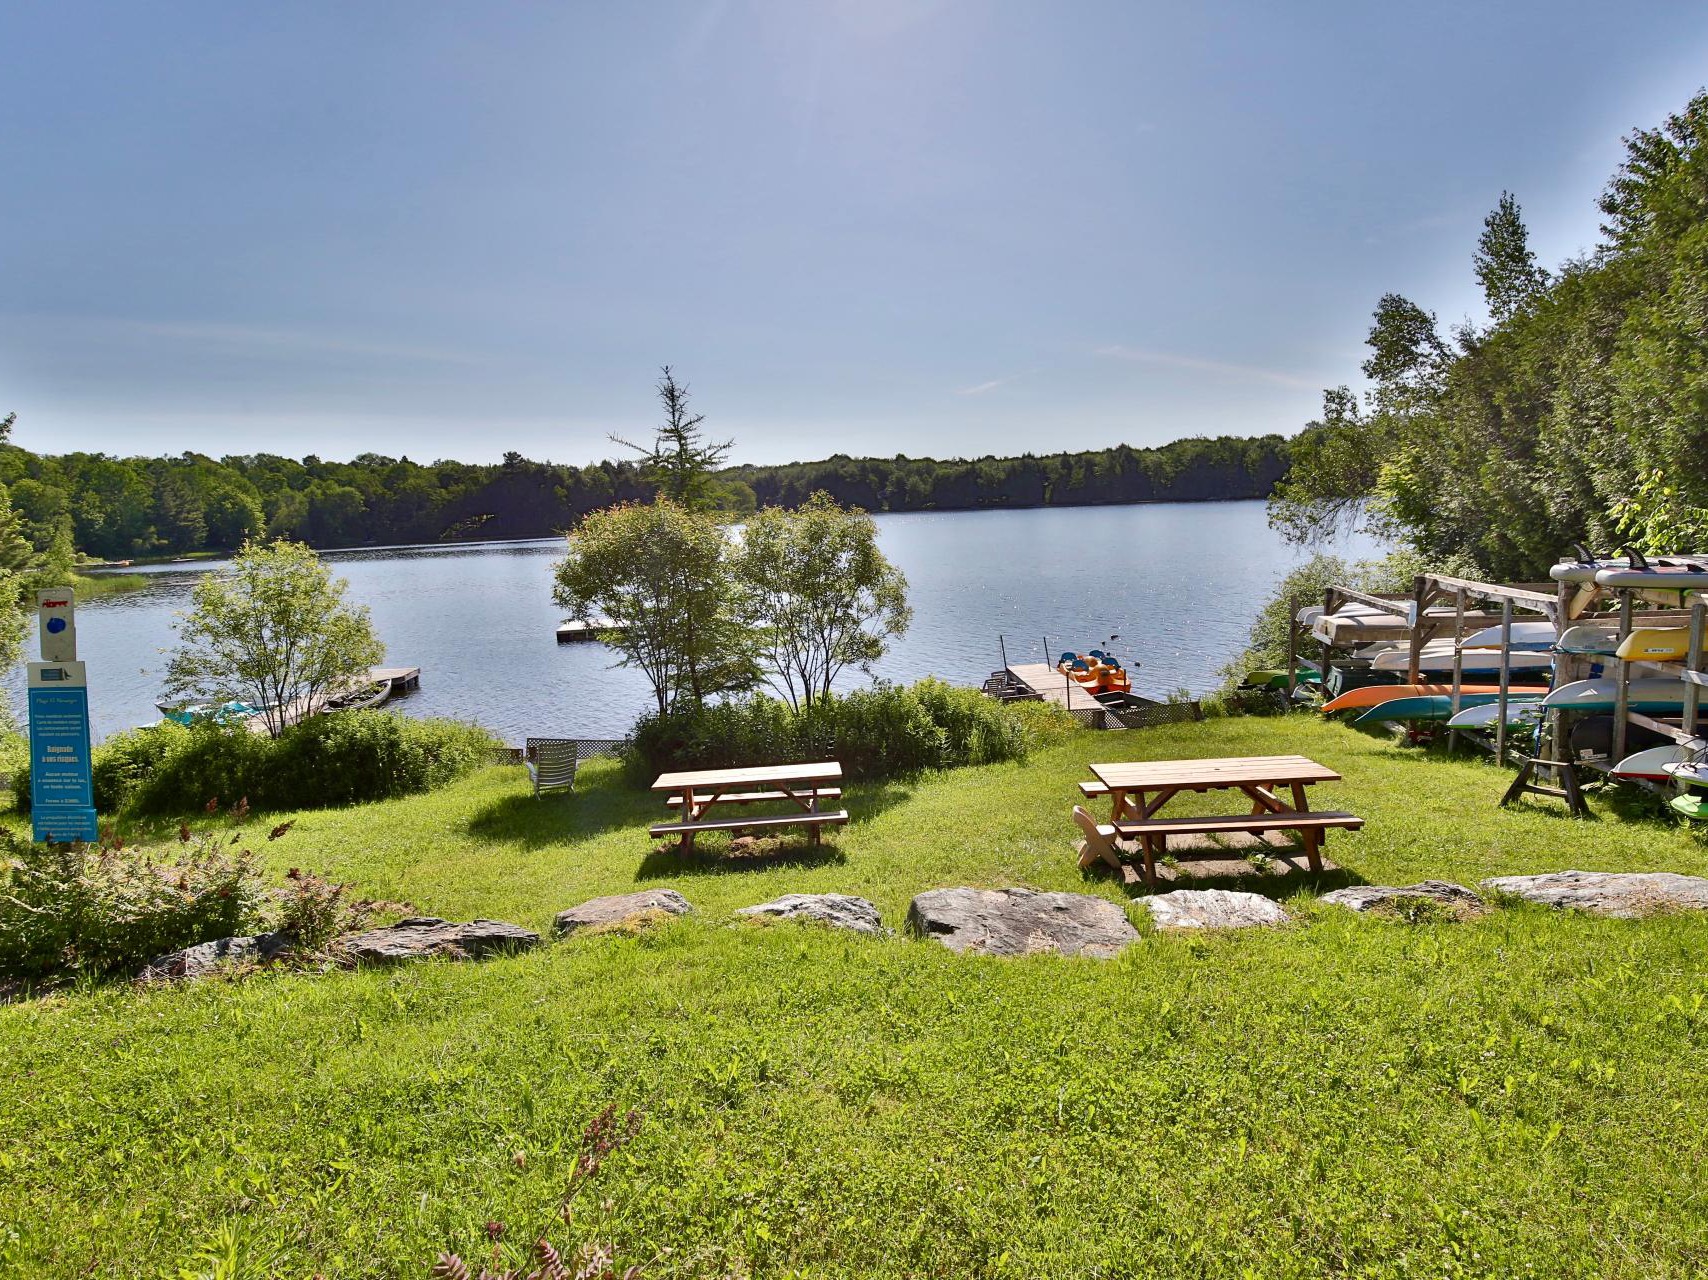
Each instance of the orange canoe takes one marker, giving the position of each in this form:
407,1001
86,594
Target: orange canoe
1374,695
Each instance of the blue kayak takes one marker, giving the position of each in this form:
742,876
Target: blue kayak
1439,706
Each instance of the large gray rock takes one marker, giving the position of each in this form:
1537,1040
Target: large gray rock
620,907
209,957
838,910
1609,893
1456,898
1213,909
1013,922
424,937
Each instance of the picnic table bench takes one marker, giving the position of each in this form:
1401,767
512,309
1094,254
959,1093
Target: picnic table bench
697,793
1139,789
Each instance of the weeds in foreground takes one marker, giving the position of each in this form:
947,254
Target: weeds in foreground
604,1134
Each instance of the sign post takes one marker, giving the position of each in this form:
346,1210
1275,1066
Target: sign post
62,800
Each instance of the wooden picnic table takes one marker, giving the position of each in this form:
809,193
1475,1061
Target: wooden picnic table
696,793
1139,789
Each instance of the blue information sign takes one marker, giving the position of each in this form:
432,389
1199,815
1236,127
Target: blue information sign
62,799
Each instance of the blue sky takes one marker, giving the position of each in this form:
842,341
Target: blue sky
870,226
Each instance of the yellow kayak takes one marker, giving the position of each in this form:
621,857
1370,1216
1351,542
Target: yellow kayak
1656,644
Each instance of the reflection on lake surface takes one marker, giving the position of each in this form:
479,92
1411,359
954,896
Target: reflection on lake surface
1179,582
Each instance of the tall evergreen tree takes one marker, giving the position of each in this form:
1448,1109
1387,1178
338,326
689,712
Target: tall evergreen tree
1505,265
680,461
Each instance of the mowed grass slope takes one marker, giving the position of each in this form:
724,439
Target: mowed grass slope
1521,1095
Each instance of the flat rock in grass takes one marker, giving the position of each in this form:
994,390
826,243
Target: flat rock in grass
209,957
1014,922
1608,893
838,910
1214,909
1456,898
621,907
426,937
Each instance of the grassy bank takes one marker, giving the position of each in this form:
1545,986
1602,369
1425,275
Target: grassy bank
90,585
1518,1095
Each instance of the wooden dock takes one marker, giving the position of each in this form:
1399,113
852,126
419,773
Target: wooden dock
401,679
1052,686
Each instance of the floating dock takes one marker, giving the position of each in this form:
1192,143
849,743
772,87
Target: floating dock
401,679
577,630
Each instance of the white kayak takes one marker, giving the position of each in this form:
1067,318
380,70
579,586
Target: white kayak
1519,710
1525,635
1439,657
1654,694
1589,638
1650,765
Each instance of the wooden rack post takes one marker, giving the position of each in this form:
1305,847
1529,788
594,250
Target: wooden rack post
1292,642
1622,693
1329,603
1693,668
1505,679
1458,663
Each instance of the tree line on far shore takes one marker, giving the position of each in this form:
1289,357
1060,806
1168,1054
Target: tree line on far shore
123,508
1579,413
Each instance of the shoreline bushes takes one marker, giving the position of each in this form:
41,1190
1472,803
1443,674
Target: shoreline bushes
886,731
347,757
100,909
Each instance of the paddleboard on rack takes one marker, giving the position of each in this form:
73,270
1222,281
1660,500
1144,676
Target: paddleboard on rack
1518,711
1646,695
1692,772
1649,765
1657,576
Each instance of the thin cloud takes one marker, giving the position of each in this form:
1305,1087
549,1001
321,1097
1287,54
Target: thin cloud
983,387
1141,355
296,340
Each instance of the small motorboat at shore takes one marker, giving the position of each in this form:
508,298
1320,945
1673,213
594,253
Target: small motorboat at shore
361,699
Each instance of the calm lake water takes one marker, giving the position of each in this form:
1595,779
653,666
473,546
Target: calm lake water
1178,582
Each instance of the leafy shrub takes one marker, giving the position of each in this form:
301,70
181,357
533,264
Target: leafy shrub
880,732
124,762
314,910
357,756
345,758
99,909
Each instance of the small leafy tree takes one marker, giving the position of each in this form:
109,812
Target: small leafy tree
680,461
819,594
273,630
662,574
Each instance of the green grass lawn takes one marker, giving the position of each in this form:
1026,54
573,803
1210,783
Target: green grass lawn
1520,1095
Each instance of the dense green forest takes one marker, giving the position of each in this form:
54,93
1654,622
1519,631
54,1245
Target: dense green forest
1579,413
121,508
